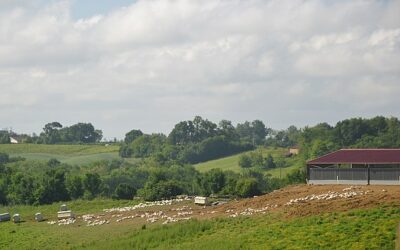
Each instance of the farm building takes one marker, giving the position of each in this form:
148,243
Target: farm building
356,166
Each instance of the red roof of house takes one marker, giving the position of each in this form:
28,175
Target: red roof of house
360,156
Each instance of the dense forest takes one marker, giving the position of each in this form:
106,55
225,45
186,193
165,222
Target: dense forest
163,167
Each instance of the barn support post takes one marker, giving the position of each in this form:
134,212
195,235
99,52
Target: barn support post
369,174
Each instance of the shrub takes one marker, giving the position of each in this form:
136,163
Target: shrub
247,187
124,191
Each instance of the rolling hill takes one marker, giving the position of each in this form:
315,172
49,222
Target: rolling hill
296,217
232,162
72,154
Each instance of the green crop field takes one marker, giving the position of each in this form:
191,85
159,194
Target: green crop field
71,154
355,229
232,163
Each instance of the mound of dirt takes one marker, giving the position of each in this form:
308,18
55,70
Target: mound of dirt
300,200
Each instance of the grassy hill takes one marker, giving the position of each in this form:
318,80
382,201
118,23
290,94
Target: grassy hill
72,154
232,162
367,221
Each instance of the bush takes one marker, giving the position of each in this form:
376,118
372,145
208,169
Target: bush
4,158
160,190
124,191
296,176
247,187
245,161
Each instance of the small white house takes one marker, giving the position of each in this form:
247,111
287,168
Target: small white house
13,140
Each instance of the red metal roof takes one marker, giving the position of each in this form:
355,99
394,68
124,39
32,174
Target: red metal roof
359,156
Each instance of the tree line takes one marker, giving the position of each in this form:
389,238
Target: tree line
34,182
315,141
55,133
196,141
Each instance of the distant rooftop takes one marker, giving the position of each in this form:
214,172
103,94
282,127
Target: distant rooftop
359,156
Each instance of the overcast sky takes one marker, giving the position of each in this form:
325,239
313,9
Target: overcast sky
150,64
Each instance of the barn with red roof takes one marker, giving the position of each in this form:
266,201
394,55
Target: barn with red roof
356,166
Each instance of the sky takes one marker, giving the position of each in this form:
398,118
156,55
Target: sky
147,65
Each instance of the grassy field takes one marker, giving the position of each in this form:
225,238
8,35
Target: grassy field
71,154
32,235
232,163
355,229
13,149
360,229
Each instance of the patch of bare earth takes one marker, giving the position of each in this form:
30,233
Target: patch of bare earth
297,200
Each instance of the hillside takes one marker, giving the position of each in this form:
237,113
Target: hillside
72,154
341,217
232,162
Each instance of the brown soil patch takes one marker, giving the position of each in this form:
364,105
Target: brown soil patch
293,201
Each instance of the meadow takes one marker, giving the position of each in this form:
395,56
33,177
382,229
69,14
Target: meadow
232,162
354,229
71,154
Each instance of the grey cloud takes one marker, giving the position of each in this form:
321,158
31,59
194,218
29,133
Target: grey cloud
154,63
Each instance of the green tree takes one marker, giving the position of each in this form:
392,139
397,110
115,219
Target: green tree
215,180
132,135
21,190
52,188
296,176
124,191
75,187
247,187
245,161
125,151
53,163
3,192
92,184
161,190
4,137
269,162
52,132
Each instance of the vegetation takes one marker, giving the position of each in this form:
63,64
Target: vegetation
162,170
195,141
355,229
56,150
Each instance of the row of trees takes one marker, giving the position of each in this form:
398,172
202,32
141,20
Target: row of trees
54,133
196,141
377,132
33,182
257,160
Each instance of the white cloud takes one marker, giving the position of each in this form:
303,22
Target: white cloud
154,63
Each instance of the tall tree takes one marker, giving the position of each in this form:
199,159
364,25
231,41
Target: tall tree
132,135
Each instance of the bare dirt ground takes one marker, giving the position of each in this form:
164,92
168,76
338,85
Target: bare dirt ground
293,201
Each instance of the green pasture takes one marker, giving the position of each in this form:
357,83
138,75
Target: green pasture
232,162
355,229
55,149
71,154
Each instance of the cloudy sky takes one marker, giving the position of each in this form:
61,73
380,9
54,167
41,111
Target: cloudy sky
148,64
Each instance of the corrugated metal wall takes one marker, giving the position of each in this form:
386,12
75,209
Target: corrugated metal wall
390,176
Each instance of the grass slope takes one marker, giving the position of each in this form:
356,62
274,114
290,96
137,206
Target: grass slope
13,149
72,154
360,229
232,162
32,235
355,229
